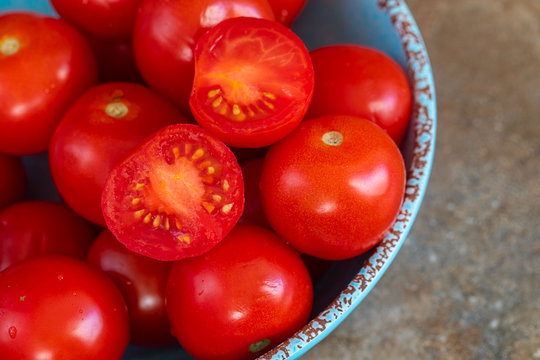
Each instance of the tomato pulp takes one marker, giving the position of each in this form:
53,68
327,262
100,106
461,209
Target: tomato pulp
253,81
175,196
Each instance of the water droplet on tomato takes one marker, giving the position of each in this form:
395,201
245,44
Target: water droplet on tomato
12,331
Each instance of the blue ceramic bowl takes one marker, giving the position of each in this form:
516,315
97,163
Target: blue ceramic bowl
389,26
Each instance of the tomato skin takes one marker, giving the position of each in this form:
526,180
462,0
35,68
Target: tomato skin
89,141
52,66
36,228
110,19
286,11
62,308
176,195
333,201
12,181
165,33
249,288
141,281
361,81
247,90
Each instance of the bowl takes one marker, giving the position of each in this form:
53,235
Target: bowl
387,25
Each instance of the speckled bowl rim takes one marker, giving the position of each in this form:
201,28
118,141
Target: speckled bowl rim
423,128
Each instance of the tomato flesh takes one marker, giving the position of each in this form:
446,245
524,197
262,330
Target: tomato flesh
176,196
253,81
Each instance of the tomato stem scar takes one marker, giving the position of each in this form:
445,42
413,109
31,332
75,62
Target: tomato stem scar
10,46
116,109
332,138
259,345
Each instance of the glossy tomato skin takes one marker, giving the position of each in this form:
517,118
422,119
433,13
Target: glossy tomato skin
109,19
243,297
60,308
45,64
100,128
361,81
165,33
141,281
333,187
286,11
36,228
177,195
12,181
253,81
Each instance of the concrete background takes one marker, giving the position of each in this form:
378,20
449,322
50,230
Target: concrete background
466,283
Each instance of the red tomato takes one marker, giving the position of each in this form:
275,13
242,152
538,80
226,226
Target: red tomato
57,307
35,228
165,33
111,19
12,180
141,281
253,81
333,187
44,65
361,81
253,212
115,59
239,299
175,196
286,11
101,127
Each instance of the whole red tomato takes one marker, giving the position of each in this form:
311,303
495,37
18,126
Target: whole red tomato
110,19
165,33
44,65
333,187
361,81
12,179
141,281
286,11
239,299
56,307
100,128
35,228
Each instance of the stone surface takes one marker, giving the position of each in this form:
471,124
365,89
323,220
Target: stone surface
466,284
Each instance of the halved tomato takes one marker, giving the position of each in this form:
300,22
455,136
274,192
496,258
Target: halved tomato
175,196
253,81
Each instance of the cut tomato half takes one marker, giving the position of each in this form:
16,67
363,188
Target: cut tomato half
253,81
177,195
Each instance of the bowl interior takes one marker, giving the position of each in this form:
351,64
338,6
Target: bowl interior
388,26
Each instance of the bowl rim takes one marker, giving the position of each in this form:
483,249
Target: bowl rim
423,131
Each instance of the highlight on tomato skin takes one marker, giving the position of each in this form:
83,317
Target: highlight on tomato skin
253,81
177,195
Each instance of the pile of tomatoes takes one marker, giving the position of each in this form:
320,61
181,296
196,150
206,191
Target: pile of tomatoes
205,160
